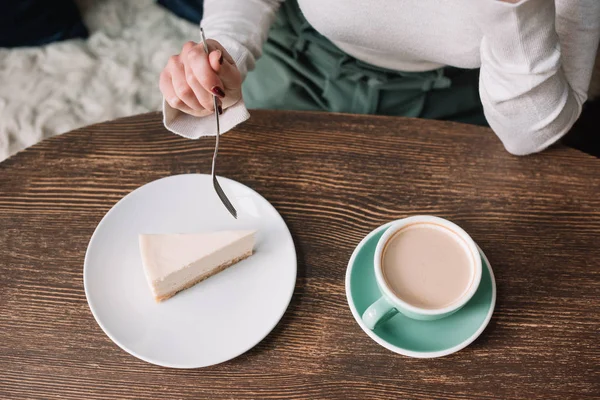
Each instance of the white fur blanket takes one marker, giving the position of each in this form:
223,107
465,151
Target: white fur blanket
62,86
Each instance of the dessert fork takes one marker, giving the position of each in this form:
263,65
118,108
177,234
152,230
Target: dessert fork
216,185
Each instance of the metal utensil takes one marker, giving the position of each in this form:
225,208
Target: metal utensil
218,188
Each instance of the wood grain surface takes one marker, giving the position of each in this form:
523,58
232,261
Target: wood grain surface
334,178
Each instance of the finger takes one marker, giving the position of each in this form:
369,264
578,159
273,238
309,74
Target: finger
216,59
232,83
198,90
230,75
197,59
186,48
214,45
183,91
225,67
204,98
166,87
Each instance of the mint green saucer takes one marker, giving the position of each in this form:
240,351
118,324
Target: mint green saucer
422,339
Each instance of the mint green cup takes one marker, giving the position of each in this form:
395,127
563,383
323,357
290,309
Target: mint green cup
389,304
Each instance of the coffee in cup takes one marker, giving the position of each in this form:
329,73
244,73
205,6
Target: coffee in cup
426,268
427,265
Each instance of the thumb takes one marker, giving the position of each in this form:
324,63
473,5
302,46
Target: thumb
229,75
227,71
215,58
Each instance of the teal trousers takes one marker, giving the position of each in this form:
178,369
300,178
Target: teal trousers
302,70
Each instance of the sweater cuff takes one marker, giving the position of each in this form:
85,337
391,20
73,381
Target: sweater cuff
192,127
521,37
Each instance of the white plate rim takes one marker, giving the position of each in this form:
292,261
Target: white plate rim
176,365
399,350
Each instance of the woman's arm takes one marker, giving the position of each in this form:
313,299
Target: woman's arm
241,26
236,31
536,62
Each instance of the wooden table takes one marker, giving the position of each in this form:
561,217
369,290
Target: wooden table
537,218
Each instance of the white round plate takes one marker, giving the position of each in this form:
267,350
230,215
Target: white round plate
215,320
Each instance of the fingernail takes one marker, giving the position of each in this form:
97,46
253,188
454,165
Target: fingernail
218,91
220,110
220,58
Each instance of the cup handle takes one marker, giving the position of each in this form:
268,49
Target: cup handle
378,312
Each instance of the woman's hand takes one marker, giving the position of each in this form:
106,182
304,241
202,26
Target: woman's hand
191,78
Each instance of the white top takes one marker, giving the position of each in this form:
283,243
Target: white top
536,57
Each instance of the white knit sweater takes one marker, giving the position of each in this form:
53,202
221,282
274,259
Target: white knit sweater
536,57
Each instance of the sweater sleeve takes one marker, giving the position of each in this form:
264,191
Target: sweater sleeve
241,26
537,58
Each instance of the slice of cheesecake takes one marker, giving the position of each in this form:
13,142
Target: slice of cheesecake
174,262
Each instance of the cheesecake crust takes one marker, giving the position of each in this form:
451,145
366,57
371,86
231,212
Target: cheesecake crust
202,277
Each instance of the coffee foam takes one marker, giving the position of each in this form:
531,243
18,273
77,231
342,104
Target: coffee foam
432,268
